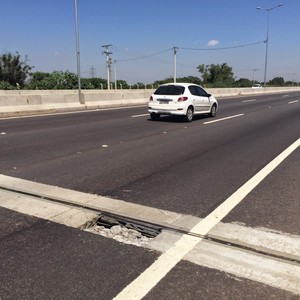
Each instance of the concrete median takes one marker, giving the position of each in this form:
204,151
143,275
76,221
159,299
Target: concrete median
20,102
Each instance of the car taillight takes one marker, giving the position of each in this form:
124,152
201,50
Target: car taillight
181,99
151,98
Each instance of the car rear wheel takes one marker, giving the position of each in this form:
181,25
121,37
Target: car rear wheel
213,111
189,114
155,116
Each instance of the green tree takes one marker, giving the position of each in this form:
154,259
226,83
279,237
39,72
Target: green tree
189,79
13,69
217,75
163,81
123,84
4,85
243,82
100,83
93,83
205,73
276,81
56,80
292,83
38,81
138,85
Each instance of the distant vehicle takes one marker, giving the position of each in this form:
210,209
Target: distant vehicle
257,86
181,99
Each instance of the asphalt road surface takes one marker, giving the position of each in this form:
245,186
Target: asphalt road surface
169,164
187,168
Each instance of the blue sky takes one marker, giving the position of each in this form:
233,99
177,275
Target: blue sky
45,31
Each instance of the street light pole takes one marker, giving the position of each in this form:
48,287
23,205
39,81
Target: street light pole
115,71
267,39
175,49
81,101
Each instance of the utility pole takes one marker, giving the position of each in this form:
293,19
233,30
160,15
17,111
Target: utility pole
175,49
92,71
108,63
254,70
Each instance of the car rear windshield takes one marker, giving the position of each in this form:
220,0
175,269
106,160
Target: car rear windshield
170,90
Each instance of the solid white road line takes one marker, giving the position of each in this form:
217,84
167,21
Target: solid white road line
70,112
219,120
164,264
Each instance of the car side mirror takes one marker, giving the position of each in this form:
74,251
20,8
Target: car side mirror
208,95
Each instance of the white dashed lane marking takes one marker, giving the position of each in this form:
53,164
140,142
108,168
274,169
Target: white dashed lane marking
137,116
250,100
223,119
291,102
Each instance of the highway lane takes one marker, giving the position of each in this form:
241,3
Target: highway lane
183,167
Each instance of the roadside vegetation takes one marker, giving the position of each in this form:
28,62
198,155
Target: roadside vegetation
16,73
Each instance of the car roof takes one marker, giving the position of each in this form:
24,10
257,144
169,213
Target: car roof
180,84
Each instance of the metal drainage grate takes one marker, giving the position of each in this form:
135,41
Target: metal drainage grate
124,230
146,229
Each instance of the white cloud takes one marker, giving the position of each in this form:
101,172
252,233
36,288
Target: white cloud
212,43
57,53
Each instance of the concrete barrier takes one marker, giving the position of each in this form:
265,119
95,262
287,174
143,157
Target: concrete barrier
228,92
20,102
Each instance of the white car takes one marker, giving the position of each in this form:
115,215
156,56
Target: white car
257,86
181,99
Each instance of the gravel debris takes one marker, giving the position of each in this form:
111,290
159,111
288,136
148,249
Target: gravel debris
121,234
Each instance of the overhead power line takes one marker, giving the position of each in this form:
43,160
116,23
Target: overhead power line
146,56
187,48
221,48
